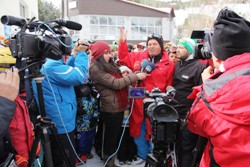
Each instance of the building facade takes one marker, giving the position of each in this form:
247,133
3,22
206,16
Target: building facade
102,19
17,8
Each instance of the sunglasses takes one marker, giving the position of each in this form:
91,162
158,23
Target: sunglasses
154,35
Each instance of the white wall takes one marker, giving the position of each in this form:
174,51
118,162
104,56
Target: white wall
12,8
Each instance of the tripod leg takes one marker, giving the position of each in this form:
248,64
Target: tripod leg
54,133
32,153
47,148
103,138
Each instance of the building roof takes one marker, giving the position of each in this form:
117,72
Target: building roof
118,8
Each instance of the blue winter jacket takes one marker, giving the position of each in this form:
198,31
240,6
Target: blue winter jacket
62,78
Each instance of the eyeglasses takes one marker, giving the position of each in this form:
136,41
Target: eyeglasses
154,35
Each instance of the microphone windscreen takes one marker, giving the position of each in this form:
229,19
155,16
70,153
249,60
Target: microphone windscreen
69,24
144,63
150,67
137,66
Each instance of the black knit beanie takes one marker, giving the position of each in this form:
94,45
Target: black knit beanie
158,38
231,35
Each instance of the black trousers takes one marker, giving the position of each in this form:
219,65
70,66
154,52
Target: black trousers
112,128
188,142
57,155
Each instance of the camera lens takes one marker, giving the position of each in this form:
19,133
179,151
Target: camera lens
161,111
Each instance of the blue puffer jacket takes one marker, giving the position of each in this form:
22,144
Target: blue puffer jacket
62,78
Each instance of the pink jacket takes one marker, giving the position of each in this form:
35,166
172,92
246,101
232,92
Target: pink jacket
160,77
227,124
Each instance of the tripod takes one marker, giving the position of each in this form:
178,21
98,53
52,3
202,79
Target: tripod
43,128
164,155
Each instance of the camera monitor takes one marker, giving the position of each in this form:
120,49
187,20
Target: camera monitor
136,93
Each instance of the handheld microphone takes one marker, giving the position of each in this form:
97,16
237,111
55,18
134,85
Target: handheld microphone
150,67
137,66
144,63
69,24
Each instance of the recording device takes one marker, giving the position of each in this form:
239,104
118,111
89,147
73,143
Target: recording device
144,63
32,42
202,49
136,92
164,119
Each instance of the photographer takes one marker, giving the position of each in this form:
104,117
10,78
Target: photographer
187,75
59,81
9,87
221,111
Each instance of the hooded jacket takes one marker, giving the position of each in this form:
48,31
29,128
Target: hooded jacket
160,77
108,86
221,113
62,78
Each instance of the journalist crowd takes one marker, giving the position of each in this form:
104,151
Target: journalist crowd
188,109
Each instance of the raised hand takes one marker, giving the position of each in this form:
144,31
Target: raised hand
123,34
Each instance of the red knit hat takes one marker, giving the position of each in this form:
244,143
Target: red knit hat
99,49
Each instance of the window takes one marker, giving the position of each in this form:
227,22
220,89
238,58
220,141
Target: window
106,27
141,27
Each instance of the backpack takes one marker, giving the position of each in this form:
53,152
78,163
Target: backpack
21,132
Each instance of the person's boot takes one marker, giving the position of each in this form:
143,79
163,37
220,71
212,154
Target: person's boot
111,163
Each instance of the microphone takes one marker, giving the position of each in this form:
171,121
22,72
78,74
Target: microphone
137,66
69,24
170,91
144,63
150,67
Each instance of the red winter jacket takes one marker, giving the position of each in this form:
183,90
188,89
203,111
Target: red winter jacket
227,123
160,77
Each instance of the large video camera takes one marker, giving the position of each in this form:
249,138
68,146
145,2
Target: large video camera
37,40
202,49
158,107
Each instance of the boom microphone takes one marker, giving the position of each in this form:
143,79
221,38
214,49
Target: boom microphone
69,24
150,67
144,63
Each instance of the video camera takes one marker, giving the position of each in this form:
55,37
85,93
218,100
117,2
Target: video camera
163,117
36,45
202,49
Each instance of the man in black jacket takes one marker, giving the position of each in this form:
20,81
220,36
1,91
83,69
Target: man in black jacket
9,87
187,75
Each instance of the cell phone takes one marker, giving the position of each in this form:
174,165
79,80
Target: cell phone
136,92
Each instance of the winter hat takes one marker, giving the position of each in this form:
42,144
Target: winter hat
231,35
158,38
99,49
188,43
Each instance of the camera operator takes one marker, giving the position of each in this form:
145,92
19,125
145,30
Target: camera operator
160,77
221,111
187,75
9,87
62,78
